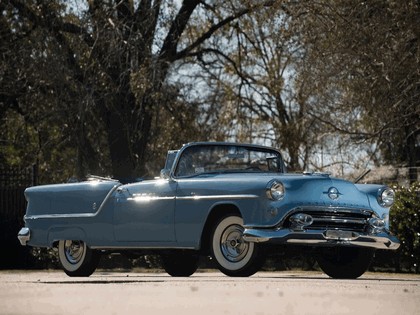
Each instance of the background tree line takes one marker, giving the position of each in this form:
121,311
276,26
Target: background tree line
106,87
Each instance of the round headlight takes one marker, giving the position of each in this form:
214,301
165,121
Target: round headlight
275,190
386,197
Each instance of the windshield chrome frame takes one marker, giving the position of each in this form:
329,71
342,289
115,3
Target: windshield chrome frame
243,145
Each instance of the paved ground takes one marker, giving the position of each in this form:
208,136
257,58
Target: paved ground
207,293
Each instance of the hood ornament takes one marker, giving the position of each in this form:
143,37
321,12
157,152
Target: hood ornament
333,193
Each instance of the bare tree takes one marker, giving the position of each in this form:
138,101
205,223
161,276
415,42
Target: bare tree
253,76
363,59
109,85
118,55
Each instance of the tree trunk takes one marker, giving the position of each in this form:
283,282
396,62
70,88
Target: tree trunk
411,155
122,163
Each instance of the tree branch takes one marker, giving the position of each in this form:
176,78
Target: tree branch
224,56
218,26
56,25
146,17
168,51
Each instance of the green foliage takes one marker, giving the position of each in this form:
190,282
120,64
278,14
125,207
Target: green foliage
44,258
405,224
47,258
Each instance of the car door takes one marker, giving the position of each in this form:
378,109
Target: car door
195,199
144,212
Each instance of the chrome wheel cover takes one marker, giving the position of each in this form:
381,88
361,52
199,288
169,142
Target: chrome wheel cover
232,244
74,251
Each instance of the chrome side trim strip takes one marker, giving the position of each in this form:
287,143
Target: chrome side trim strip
211,197
57,216
150,198
107,197
138,247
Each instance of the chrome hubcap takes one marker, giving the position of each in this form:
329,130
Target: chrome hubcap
74,251
232,245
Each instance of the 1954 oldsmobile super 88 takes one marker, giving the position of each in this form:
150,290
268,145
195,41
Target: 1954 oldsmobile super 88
224,199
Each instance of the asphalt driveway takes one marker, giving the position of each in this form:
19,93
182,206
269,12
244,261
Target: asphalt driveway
207,293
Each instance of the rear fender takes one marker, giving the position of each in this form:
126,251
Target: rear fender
66,233
65,199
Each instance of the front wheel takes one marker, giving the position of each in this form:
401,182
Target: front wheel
77,259
234,256
345,262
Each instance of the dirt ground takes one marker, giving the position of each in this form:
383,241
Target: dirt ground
207,293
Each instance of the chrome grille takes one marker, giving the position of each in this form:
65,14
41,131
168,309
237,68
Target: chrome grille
337,219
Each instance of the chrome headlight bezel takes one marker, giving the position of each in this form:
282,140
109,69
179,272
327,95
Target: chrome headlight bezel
275,190
386,197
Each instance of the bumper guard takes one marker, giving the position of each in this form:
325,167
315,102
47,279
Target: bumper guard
24,236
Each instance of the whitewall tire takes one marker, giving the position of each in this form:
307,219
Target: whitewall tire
76,258
233,255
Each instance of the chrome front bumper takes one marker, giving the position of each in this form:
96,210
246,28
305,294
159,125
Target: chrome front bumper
24,236
381,240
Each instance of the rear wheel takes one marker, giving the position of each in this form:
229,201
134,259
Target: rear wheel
77,259
180,263
345,262
234,256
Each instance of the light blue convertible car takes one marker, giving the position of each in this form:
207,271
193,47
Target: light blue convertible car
231,201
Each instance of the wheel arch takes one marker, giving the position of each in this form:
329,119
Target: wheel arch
57,234
215,214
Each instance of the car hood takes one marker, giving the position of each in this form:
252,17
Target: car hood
301,189
315,190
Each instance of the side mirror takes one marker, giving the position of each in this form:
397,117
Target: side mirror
165,173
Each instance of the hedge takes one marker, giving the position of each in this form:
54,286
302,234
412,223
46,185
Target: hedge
405,224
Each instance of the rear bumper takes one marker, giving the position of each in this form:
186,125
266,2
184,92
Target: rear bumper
24,236
381,240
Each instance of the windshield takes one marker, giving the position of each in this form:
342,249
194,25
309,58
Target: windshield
207,159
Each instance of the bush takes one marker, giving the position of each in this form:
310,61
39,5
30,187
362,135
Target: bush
405,224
